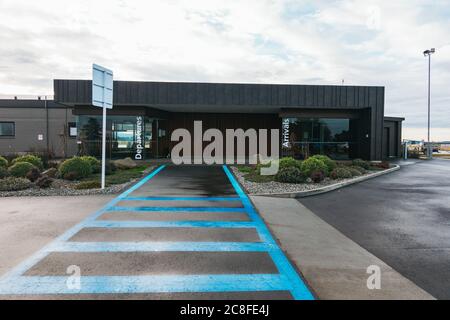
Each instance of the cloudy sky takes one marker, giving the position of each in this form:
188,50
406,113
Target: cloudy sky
257,41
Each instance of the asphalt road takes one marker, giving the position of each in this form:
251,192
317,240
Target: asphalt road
402,218
182,232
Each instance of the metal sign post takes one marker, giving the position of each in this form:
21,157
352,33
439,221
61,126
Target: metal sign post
102,96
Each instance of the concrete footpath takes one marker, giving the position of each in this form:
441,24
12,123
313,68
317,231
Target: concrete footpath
29,223
332,264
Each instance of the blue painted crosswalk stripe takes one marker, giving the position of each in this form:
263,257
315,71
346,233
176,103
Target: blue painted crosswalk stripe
182,199
178,209
160,246
169,224
147,284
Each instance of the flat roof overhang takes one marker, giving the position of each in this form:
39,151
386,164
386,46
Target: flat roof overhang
223,97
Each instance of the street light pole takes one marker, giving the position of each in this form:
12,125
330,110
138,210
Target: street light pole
429,147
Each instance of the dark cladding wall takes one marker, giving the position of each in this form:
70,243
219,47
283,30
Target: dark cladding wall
78,92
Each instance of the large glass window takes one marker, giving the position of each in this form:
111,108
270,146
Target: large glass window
127,136
7,129
303,137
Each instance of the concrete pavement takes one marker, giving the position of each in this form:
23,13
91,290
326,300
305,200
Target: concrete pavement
334,266
29,223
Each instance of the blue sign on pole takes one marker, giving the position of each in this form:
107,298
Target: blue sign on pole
102,87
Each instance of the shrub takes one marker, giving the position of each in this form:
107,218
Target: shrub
14,184
317,176
313,164
94,162
331,164
290,175
75,168
44,182
340,173
360,169
289,162
34,160
3,172
3,162
20,169
88,185
354,172
361,163
33,174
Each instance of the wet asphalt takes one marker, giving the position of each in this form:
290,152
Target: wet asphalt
403,218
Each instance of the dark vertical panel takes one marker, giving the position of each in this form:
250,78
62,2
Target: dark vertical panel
274,95
328,93
281,95
351,97
294,96
309,96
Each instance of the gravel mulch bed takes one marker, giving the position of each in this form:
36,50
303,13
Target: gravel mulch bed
65,188
274,187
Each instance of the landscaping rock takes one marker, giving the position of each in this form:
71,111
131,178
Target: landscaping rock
51,173
126,163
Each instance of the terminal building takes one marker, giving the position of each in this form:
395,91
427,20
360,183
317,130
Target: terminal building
343,122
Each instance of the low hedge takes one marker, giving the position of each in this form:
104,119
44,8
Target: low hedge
361,163
34,160
331,164
88,185
289,162
20,169
96,165
341,173
290,175
3,172
75,168
14,184
3,162
313,164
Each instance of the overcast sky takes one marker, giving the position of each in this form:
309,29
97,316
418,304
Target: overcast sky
257,41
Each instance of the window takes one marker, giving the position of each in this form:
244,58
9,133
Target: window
72,129
7,129
304,137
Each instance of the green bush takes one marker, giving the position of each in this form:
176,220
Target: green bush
313,164
34,160
317,176
290,175
289,162
360,169
341,173
75,168
96,165
354,172
14,184
3,162
20,169
88,185
3,172
361,163
331,164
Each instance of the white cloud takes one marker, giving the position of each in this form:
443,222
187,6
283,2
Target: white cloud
262,41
